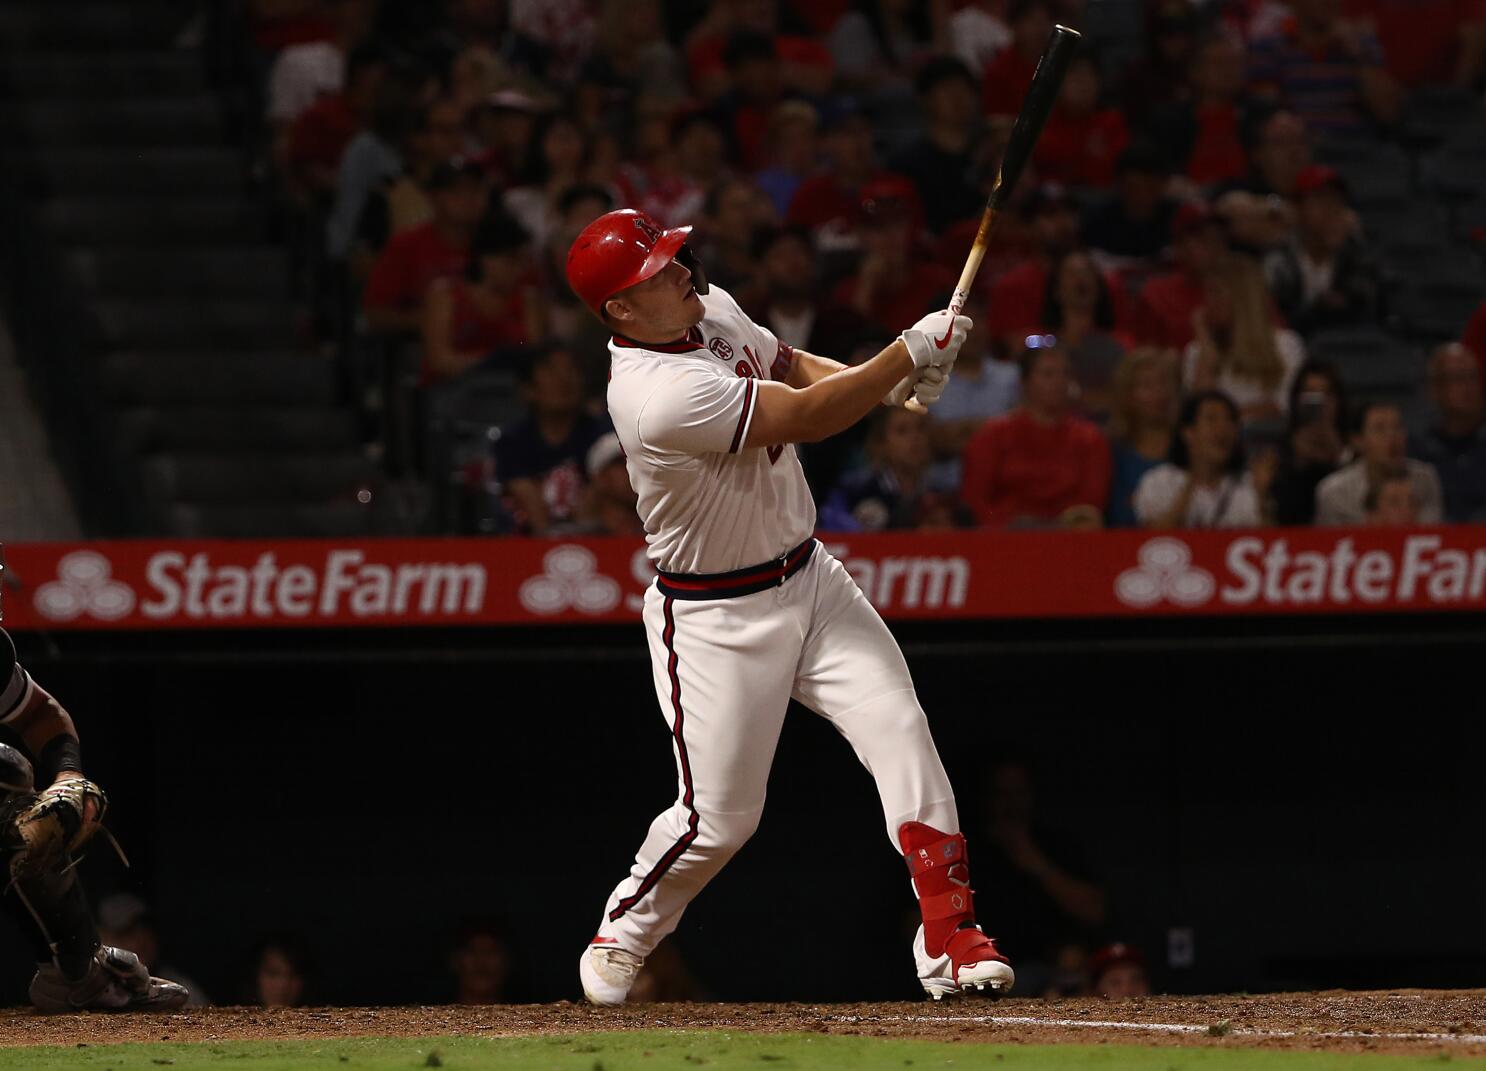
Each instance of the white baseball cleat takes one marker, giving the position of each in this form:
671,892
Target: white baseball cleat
981,969
607,972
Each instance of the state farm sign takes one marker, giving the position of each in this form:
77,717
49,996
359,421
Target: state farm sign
332,583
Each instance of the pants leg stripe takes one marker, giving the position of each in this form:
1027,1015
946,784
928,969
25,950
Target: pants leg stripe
688,796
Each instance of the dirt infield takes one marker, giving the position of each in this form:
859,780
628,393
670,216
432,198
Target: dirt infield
1413,1021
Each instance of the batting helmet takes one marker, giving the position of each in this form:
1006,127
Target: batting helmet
618,250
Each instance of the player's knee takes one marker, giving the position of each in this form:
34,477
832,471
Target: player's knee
724,834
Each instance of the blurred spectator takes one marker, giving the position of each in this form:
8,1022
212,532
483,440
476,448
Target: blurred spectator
701,150
793,146
978,32
652,180
1390,501
833,195
633,55
1041,464
786,297
753,70
1279,149
481,963
1010,73
1430,42
1070,971
579,206
373,158
736,213
1473,338
940,163
1317,441
878,37
1203,484
983,388
543,458
1380,441
495,305
302,73
280,971
896,487
1160,76
560,153
1135,223
440,136
804,64
1323,276
1255,225
1236,346
1203,133
1081,141
1327,71
1079,311
1455,443
312,147
1141,425
560,33
1041,877
505,127
892,286
1018,295
1168,301
437,249
1117,972
608,506
125,921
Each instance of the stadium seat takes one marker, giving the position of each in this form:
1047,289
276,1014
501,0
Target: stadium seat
249,377
1387,175
141,170
1370,361
277,520
223,478
159,221
257,271
1434,309
224,428
1434,114
129,121
165,322
43,74
1458,170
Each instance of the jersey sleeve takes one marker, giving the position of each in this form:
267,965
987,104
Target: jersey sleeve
698,411
775,357
15,683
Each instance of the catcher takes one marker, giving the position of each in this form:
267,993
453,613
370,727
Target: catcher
40,834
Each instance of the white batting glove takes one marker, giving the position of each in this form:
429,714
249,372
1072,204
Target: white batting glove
931,384
936,339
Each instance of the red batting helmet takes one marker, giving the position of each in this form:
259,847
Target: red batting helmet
617,250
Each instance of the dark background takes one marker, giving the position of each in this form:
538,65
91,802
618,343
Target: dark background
1305,796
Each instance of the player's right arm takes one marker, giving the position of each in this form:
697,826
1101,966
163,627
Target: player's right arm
833,403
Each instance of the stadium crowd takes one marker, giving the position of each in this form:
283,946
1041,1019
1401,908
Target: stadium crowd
1220,298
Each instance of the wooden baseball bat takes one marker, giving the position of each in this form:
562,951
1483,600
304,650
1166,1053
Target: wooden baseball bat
1047,80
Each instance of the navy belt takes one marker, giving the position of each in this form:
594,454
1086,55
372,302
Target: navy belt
739,582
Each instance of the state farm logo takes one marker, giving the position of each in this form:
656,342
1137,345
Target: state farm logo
1165,572
722,347
84,585
568,580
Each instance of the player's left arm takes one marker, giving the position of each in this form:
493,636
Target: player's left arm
49,733
808,368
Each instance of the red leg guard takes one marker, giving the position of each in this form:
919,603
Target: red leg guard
942,878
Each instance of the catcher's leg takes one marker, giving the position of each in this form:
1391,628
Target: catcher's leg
853,674
722,673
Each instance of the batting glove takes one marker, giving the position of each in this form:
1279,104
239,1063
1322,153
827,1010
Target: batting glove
936,339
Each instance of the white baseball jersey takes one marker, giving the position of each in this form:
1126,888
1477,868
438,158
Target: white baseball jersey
682,412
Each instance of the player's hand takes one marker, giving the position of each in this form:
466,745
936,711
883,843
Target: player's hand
916,384
936,339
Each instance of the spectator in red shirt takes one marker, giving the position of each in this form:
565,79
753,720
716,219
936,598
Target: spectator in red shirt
892,282
1017,295
1160,77
1429,42
437,249
1204,134
833,194
805,64
495,305
753,66
1081,141
1010,73
1040,465
318,138
1167,302
1473,337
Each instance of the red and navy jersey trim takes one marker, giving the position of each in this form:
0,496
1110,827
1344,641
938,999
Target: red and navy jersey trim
784,360
697,587
692,341
688,794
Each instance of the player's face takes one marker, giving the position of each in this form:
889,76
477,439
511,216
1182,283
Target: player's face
663,307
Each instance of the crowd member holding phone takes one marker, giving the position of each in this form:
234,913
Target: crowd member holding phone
1316,441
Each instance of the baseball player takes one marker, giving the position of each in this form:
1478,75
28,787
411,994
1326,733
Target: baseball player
39,832
748,609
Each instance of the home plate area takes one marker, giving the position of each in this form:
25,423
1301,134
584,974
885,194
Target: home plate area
1402,1028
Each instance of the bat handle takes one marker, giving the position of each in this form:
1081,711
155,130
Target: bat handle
956,306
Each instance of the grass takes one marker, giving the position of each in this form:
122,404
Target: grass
677,1050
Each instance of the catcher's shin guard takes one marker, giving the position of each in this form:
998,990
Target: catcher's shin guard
941,877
